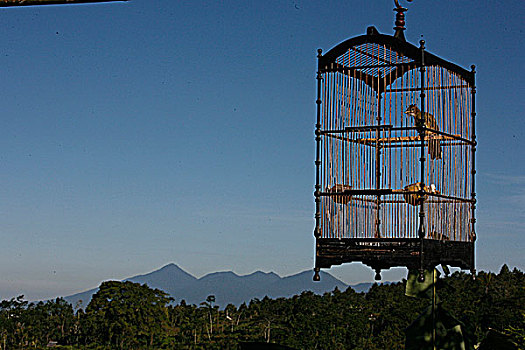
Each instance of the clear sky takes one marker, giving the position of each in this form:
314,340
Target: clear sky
154,131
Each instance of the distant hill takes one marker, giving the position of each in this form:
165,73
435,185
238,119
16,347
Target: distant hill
227,287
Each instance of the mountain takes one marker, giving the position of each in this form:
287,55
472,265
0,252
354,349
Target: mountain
364,287
228,287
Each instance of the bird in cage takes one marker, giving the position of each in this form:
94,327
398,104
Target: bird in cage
428,121
413,198
340,198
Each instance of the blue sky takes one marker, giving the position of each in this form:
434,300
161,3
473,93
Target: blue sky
142,133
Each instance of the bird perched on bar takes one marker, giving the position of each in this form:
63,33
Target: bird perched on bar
415,198
428,121
340,198
418,198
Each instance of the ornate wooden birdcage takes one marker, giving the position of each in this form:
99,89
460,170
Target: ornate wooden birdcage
395,158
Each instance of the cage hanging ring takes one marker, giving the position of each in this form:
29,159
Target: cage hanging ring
397,3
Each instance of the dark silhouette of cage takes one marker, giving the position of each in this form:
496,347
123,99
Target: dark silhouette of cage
395,158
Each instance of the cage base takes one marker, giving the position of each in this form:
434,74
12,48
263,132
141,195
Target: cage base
384,253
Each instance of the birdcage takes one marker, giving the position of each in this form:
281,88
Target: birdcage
395,158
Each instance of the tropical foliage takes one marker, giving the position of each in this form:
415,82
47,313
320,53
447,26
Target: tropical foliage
126,315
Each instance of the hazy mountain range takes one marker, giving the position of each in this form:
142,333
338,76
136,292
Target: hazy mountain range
228,287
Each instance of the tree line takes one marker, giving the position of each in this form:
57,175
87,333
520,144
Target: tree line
126,315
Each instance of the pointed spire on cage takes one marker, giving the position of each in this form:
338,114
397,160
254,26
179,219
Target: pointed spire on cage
400,21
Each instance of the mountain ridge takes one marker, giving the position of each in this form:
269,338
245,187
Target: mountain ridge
227,286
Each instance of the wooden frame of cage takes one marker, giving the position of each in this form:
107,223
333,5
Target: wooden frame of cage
369,156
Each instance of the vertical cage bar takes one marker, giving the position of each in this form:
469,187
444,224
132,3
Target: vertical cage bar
378,160
473,164
421,229
317,232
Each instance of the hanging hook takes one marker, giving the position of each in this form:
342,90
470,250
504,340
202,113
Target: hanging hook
400,20
397,3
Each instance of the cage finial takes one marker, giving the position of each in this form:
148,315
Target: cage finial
378,274
317,278
400,21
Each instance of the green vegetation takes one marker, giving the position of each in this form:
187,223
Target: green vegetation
126,315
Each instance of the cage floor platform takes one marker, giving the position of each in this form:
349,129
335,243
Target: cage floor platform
384,253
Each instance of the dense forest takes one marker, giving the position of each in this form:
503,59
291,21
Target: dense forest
126,315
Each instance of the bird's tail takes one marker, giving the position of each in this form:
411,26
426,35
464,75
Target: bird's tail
434,148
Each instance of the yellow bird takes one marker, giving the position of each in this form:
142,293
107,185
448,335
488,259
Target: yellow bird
428,121
415,198
418,198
